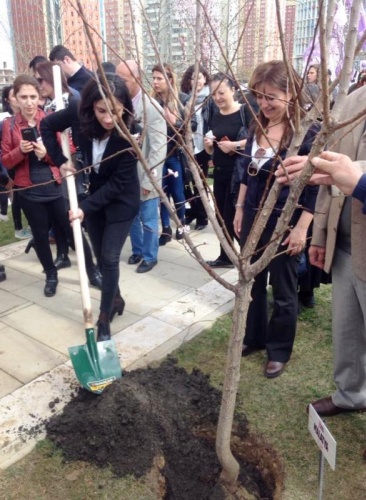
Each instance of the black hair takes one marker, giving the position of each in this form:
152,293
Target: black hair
223,77
186,83
36,60
59,52
5,99
91,93
109,67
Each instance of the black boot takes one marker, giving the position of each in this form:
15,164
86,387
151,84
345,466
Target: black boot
104,329
166,236
118,307
62,261
95,278
30,245
51,283
2,273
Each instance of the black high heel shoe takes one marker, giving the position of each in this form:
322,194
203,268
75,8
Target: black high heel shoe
118,308
104,329
30,245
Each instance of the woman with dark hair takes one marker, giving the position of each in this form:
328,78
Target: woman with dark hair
43,200
199,86
114,198
11,108
44,76
166,93
225,141
266,145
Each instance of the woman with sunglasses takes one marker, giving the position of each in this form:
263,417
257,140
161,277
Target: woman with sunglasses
268,142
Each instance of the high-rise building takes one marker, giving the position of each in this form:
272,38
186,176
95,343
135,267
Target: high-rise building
28,19
289,27
122,30
73,32
305,26
38,25
260,41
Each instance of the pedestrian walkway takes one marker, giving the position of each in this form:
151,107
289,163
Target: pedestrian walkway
164,308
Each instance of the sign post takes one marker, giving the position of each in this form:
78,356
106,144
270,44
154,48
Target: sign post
326,443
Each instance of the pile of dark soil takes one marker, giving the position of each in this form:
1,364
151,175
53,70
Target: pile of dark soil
157,418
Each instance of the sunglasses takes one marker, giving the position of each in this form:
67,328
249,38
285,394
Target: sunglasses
253,167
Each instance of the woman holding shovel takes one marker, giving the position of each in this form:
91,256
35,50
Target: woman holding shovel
114,197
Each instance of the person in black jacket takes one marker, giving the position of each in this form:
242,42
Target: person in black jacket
166,93
266,146
114,198
76,74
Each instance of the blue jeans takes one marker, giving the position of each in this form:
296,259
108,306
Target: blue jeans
173,187
144,231
107,240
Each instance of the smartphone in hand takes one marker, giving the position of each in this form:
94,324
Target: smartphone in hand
29,134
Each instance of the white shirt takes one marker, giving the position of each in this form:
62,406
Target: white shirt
98,151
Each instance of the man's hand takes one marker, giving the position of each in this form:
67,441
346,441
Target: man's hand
344,173
317,256
67,169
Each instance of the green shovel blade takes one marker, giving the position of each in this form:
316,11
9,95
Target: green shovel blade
96,364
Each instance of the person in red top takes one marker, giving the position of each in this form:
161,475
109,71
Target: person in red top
42,199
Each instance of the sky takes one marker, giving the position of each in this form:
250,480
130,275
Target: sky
6,51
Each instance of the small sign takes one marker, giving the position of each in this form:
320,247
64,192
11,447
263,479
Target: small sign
323,438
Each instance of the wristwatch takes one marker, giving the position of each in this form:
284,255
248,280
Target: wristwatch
238,147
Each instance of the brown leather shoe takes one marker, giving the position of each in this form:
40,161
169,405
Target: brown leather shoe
273,369
326,408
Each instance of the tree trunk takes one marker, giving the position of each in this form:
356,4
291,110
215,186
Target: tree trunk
230,467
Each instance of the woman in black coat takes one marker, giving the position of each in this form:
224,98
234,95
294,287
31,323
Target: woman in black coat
114,198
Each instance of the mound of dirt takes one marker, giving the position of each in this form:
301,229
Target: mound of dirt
157,418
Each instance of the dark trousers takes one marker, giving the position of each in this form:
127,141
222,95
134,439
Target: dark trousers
107,240
197,210
3,201
174,188
225,205
40,216
16,211
278,334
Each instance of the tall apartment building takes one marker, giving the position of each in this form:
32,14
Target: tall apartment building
305,25
260,41
289,27
38,25
73,33
30,30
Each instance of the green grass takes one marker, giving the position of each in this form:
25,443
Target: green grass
7,230
275,408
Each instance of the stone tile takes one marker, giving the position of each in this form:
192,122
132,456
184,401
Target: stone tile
195,305
8,384
23,414
24,358
173,272
141,338
66,302
16,280
47,327
148,285
9,301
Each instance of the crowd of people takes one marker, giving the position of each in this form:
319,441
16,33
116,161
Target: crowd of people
247,146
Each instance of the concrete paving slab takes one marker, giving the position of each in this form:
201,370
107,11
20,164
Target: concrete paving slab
10,301
25,358
8,384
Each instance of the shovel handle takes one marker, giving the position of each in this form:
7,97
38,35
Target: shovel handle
76,225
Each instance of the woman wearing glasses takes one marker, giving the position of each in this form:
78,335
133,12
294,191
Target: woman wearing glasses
266,144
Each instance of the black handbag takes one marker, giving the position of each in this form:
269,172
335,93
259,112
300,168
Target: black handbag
187,172
82,177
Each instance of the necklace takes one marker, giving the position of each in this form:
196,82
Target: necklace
270,126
